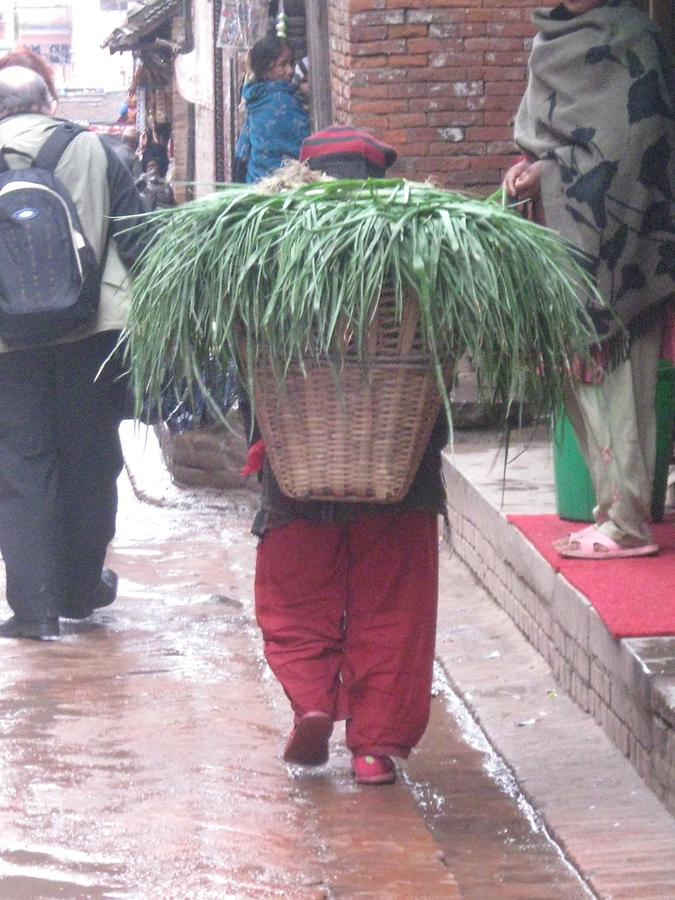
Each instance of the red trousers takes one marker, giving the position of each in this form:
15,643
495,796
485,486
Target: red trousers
348,616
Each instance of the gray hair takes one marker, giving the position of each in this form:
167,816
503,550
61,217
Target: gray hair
22,90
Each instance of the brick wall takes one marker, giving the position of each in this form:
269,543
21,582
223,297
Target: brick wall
439,79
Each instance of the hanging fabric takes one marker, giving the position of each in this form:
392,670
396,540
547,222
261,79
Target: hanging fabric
242,23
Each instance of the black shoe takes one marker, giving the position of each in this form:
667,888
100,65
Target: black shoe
35,629
104,594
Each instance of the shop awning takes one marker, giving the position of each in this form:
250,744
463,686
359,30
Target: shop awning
142,19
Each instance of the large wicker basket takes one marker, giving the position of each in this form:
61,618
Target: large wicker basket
347,431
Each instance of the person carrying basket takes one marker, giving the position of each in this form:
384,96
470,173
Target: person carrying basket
346,593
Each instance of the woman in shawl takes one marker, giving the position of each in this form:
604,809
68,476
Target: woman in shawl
276,120
597,129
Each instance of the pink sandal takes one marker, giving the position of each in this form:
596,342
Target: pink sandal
372,769
563,543
593,544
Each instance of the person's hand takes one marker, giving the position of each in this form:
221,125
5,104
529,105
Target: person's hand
516,170
528,183
523,180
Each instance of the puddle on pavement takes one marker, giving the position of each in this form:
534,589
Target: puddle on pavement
494,842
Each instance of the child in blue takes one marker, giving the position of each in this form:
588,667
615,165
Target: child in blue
276,121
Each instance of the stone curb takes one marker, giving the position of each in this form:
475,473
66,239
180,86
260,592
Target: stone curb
628,686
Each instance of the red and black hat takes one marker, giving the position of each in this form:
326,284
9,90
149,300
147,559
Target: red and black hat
346,152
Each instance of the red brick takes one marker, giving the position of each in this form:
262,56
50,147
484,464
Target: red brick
492,162
487,134
375,48
446,76
407,31
411,59
383,107
479,44
507,59
413,149
498,117
456,30
365,5
496,73
407,89
369,62
504,102
370,91
522,29
450,118
407,120
505,87
439,4
497,148
375,33
439,60
378,122
443,163
445,103
457,149
383,17
424,134
435,45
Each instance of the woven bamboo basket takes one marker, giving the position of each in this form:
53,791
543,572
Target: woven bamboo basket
347,429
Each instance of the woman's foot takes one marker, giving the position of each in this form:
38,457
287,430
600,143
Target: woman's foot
307,744
593,543
371,769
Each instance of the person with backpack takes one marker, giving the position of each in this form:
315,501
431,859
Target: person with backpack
64,296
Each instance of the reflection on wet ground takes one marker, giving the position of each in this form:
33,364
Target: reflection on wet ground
139,757
494,841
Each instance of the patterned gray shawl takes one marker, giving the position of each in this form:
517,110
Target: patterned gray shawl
598,112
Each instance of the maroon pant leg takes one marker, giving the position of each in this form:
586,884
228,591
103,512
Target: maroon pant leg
300,590
390,630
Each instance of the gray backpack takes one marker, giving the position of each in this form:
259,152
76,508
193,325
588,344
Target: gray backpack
50,278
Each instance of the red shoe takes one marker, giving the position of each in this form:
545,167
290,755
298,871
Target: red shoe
307,744
373,769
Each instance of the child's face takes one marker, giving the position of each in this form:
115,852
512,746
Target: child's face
282,68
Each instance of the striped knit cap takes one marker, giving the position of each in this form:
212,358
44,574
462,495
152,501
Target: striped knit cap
346,152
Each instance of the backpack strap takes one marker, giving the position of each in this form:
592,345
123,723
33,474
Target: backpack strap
51,151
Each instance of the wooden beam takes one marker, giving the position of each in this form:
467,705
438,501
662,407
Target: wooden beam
316,12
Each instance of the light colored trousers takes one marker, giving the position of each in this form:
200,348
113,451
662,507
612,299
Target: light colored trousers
615,425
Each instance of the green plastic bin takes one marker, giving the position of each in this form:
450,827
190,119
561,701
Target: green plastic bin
574,494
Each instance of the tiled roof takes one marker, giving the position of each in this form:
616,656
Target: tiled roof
142,18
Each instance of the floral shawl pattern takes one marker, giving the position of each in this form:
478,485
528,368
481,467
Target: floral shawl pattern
276,125
598,112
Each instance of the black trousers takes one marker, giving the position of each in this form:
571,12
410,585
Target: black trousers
60,457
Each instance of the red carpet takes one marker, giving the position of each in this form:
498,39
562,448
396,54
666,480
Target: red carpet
634,597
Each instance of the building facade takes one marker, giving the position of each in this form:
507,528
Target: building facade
440,80
68,35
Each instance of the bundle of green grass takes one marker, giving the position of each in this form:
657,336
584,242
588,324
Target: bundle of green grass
242,272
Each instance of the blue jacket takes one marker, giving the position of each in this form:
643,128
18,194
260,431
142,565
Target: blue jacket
276,125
